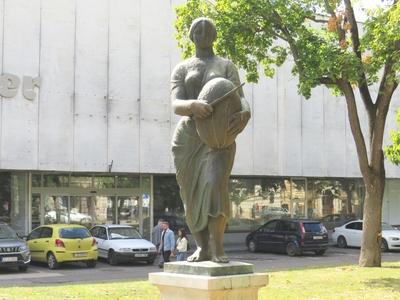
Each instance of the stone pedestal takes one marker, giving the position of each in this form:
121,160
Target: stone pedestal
208,280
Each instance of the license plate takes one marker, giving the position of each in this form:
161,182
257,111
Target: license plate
10,259
80,254
317,237
141,255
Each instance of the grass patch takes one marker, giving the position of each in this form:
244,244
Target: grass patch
142,290
346,282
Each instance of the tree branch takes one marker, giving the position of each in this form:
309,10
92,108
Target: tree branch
355,126
386,89
362,81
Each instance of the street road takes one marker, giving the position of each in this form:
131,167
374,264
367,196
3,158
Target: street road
38,274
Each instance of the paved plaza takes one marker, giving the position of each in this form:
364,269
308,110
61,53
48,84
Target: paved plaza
38,274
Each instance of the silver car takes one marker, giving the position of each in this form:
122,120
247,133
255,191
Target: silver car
13,251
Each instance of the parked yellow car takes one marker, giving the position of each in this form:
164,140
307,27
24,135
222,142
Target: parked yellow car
58,243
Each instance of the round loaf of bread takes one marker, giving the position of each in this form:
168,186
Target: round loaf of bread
213,130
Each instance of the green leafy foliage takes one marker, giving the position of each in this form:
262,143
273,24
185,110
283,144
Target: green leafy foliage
392,152
254,33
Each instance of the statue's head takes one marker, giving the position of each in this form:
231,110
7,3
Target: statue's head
203,32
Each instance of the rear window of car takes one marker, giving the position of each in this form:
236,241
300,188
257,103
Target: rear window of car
74,233
313,227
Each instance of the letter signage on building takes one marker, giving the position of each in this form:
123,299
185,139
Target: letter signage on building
9,84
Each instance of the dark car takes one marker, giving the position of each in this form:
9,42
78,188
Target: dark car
13,251
289,236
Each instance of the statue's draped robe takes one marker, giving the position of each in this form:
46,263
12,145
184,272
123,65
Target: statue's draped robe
202,173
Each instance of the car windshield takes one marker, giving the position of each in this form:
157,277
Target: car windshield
74,233
120,233
313,227
386,226
6,232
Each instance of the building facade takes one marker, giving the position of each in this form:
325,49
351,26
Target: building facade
90,142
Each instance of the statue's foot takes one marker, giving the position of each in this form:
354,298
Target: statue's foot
198,255
221,259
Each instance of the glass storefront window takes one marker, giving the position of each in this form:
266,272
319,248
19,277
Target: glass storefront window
256,201
146,191
36,180
35,210
334,200
55,209
55,180
128,181
104,182
81,181
82,210
104,211
16,205
128,210
5,197
167,203
298,201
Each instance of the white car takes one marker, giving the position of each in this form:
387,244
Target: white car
122,243
350,234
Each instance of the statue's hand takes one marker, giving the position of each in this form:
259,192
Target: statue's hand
238,122
201,109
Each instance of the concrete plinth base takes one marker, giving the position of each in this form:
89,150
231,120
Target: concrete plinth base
176,286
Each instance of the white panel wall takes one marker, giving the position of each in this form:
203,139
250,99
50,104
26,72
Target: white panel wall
19,130
313,133
156,31
334,135
289,123
124,86
57,69
265,130
105,97
91,86
244,163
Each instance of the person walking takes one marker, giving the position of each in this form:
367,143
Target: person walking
167,243
156,238
181,245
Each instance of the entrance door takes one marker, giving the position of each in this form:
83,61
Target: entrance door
90,210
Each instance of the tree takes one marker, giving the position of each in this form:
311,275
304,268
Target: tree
323,39
393,151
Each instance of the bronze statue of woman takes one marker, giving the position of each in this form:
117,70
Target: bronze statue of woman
202,172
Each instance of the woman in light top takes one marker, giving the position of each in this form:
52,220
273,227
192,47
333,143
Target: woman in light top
203,173
181,245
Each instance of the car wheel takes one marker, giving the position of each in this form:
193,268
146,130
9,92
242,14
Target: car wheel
252,246
320,252
112,258
91,263
384,245
292,249
52,261
22,268
341,242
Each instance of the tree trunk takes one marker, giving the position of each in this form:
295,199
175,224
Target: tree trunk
370,255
